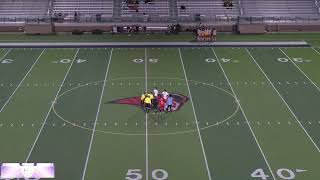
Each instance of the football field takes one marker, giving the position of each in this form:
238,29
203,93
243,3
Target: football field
240,113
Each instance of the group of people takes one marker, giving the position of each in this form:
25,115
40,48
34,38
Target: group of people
160,102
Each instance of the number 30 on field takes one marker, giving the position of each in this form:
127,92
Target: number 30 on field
136,174
297,60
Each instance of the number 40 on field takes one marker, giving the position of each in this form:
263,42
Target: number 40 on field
67,61
282,173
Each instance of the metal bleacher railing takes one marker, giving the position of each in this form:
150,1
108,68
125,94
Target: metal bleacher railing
162,11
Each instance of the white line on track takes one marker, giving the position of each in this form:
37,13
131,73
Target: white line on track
294,115
245,116
288,105
97,116
195,116
5,104
146,89
45,120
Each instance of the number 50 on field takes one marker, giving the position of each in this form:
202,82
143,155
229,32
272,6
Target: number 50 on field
157,174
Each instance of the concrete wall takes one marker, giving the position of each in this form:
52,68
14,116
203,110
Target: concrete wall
67,28
39,28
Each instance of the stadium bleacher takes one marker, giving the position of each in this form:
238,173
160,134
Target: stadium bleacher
24,8
296,8
206,8
84,7
155,8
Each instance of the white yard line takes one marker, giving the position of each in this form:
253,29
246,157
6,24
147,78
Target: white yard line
315,50
294,115
6,54
8,100
45,120
97,116
195,116
300,69
244,114
146,120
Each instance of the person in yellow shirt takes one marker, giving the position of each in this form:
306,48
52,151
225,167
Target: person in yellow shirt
151,96
143,96
147,102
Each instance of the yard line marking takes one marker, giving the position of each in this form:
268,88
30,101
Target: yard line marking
294,115
6,54
245,116
45,120
315,50
97,116
195,116
8,100
300,70
146,120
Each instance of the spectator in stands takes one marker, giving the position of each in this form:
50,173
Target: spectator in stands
133,4
227,3
75,16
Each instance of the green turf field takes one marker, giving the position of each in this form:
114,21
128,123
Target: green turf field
251,113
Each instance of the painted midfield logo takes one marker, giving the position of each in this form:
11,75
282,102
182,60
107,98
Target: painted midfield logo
178,101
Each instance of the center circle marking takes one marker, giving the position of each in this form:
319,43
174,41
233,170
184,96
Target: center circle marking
143,134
